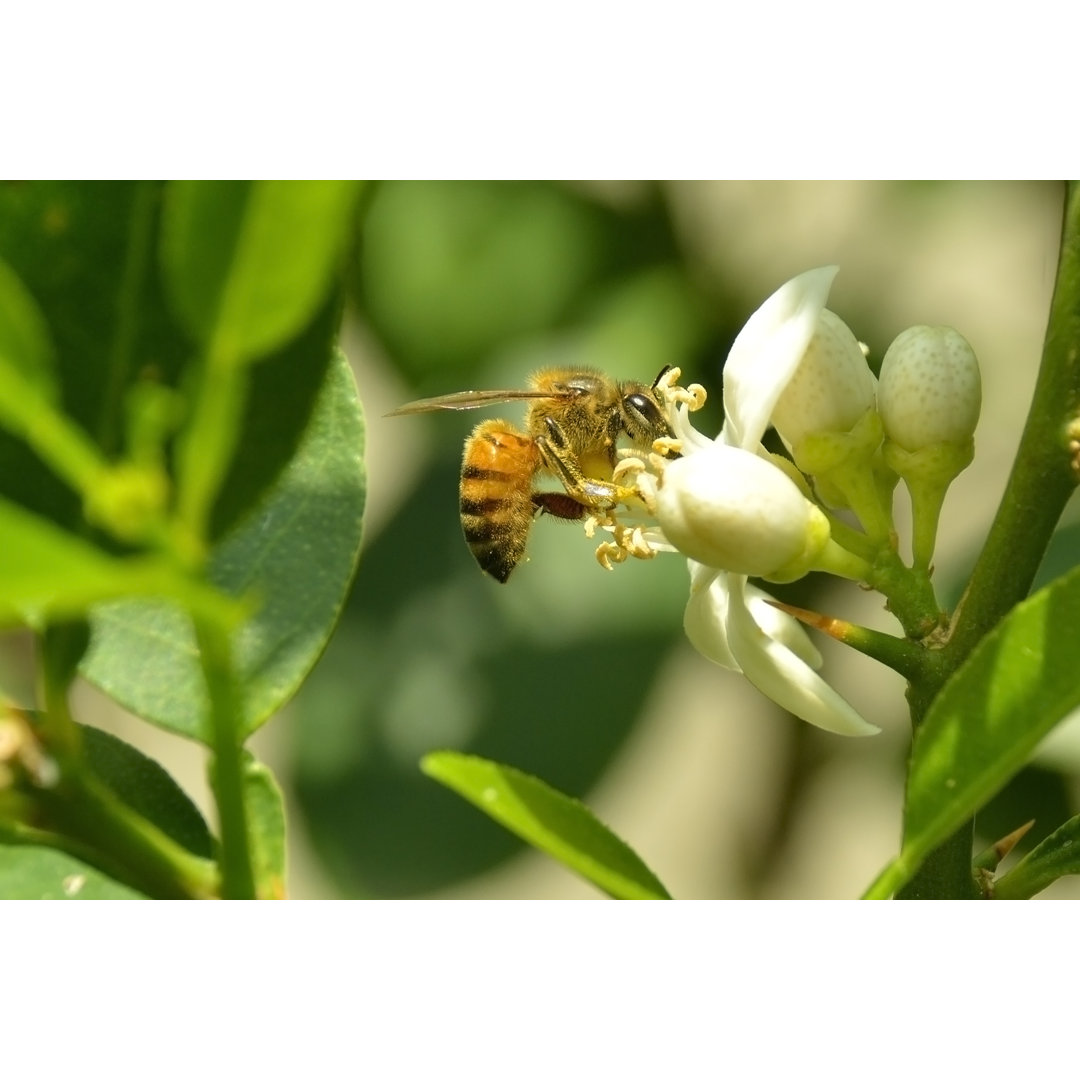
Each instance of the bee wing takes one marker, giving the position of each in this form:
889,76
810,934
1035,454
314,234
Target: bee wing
470,399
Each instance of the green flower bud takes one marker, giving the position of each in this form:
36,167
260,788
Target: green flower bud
929,396
929,391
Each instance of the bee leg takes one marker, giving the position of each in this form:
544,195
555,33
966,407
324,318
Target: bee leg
559,458
559,504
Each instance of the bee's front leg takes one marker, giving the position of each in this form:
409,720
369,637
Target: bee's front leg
559,458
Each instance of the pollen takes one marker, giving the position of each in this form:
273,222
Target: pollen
626,541
692,396
627,470
607,554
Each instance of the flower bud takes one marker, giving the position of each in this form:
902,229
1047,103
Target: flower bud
832,388
730,509
929,392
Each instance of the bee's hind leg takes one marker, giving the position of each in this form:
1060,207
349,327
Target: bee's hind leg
559,504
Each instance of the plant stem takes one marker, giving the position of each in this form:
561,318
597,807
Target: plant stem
1038,488
138,265
226,775
111,836
1042,479
83,816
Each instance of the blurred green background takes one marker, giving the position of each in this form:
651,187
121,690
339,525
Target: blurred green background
581,676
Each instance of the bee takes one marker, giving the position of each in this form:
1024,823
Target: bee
574,421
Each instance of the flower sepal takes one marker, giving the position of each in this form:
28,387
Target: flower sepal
822,453
936,465
848,472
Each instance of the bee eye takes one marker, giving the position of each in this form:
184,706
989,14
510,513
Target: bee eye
642,411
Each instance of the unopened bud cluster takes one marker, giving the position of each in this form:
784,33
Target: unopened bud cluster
855,435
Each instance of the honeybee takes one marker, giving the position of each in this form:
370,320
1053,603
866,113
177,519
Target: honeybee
574,421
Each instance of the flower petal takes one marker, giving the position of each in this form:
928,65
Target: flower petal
736,511
781,627
779,674
706,615
766,353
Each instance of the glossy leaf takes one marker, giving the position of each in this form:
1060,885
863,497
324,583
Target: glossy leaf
40,873
1056,857
248,263
25,346
282,390
555,823
46,572
147,788
1020,681
266,827
84,252
294,559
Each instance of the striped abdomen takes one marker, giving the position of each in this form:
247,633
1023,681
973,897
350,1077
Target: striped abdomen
496,495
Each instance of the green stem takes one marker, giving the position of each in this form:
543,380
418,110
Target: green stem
1041,480
51,434
900,654
838,560
82,815
858,543
226,774
1035,495
926,503
111,836
910,594
208,446
60,648
138,265
863,493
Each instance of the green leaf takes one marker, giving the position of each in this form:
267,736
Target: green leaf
295,558
37,873
282,390
248,263
1019,682
25,346
148,789
47,573
555,823
266,827
84,252
1057,856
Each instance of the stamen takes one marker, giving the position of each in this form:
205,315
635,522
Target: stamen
666,446
692,396
607,554
632,465
596,521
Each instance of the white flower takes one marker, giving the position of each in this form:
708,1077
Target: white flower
734,513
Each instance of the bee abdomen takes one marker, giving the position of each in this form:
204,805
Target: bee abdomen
496,495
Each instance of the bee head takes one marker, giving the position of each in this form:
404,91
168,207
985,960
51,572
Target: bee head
643,419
